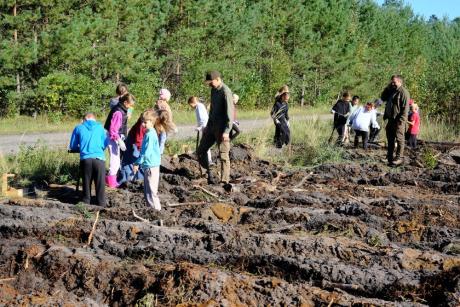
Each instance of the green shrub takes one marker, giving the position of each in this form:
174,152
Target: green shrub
39,163
429,158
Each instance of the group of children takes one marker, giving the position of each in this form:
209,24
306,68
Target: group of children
134,154
362,120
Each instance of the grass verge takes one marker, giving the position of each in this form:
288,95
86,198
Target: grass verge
183,115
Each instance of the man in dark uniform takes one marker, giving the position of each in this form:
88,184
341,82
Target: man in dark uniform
396,111
218,127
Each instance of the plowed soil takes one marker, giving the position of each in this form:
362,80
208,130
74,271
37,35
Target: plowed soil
357,233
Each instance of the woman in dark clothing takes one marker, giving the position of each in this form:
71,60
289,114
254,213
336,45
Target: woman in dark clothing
280,117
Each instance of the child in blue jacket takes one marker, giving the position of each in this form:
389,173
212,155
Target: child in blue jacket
90,140
150,155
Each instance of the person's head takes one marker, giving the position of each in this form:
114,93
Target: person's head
414,107
397,81
164,122
164,94
355,100
192,101
378,102
346,96
213,79
149,119
121,89
369,106
127,100
236,98
283,94
89,116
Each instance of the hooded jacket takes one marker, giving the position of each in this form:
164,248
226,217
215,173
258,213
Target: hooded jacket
90,139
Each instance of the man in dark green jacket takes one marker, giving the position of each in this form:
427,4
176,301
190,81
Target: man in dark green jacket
218,127
396,111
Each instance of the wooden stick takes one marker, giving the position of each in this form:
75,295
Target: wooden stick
330,304
305,178
140,218
93,230
187,204
206,191
7,279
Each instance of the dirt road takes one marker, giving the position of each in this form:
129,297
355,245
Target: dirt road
12,143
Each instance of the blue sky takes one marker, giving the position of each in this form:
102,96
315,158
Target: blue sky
440,8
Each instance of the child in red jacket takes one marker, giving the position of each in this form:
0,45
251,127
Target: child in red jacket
414,126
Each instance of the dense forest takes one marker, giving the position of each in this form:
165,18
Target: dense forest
66,56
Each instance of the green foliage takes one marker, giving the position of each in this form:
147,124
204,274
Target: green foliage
149,300
429,158
69,56
83,210
42,164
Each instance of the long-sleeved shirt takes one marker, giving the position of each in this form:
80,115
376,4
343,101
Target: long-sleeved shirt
341,112
90,139
221,112
353,109
136,133
362,119
280,111
414,128
201,115
150,155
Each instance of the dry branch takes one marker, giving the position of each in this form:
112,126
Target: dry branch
93,229
140,218
206,191
187,204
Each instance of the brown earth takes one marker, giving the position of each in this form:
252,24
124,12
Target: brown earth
360,234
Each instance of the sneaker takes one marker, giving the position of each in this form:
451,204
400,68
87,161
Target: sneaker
398,162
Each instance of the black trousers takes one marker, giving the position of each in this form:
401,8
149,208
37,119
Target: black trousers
282,134
374,134
395,134
341,131
412,141
93,170
364,135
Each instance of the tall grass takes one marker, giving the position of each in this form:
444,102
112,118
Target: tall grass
309,143
41,164
437,129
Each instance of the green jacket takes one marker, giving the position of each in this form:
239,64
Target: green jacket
397,104
221,112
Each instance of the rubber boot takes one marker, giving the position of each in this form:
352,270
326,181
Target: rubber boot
111,181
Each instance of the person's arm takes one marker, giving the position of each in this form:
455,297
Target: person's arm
202,116
374,122
403,107
145,145
115,125
287,112
352,117
334,108
104,138
229,112
74,145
